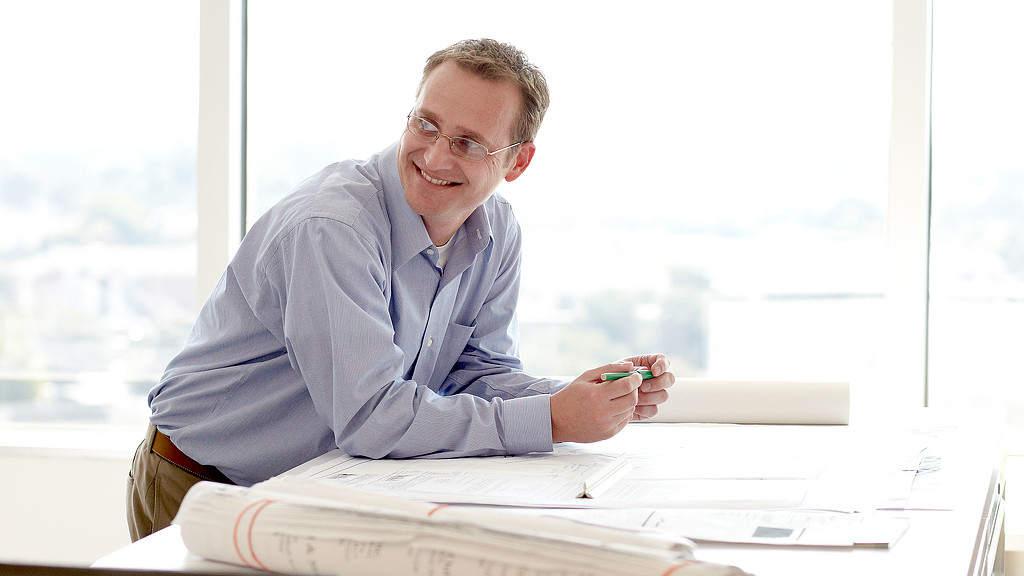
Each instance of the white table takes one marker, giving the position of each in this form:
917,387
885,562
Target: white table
964,538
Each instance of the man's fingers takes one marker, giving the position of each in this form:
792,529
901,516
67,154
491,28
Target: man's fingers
623,386
594,374
652,398
657,363
662,382
645,412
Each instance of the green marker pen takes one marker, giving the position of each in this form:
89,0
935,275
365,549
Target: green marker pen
645,374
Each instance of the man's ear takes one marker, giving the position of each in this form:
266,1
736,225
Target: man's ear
523,158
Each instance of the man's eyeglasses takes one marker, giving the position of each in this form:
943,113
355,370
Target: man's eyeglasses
461,147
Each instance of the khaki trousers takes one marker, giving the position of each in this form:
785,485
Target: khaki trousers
155,490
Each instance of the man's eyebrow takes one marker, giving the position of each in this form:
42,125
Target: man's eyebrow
460,131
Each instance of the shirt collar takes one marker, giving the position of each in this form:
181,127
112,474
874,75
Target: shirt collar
478,226
408,234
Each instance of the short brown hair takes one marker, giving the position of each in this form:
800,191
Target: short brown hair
493,60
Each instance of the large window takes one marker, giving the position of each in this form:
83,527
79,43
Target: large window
977,256
97,204
711,179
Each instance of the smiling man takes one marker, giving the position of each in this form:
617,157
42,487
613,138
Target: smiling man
373,310
440,185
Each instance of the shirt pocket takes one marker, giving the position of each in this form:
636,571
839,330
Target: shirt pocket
455,340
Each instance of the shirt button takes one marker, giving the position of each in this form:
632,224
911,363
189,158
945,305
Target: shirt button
430,251
430,342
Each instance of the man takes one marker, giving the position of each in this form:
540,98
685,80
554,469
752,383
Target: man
373,310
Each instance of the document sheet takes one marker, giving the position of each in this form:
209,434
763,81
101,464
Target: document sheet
647,465
734,483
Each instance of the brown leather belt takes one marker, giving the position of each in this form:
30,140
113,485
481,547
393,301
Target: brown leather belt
164,448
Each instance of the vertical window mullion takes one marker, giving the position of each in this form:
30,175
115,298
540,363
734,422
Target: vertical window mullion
218,165
903,346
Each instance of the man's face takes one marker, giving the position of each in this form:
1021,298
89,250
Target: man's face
441,187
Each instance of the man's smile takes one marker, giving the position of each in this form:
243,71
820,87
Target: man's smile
435,181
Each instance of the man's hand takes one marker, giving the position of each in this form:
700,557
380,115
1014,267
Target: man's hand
654,390
589,409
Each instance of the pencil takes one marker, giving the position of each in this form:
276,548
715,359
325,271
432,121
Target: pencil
645,374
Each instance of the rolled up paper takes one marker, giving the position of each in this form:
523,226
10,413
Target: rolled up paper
756,402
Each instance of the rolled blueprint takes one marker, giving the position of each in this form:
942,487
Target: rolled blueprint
756,402
301,526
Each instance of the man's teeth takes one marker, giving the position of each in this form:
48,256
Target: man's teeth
433,180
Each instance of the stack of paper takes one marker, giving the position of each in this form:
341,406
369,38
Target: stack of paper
302,526
646,465
775,485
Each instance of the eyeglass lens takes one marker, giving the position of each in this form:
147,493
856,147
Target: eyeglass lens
463,147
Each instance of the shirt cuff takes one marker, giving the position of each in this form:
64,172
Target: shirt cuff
526,423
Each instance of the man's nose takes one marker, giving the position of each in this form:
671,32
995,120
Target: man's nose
439,153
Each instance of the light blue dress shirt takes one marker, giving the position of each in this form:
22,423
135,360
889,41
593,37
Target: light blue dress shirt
333,326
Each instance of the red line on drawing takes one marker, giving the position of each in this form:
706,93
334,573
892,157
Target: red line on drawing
234,534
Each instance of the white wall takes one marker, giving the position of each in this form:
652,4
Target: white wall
61,506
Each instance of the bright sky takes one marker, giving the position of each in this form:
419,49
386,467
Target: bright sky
100,78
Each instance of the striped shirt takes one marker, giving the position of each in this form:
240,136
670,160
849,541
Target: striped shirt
334,326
